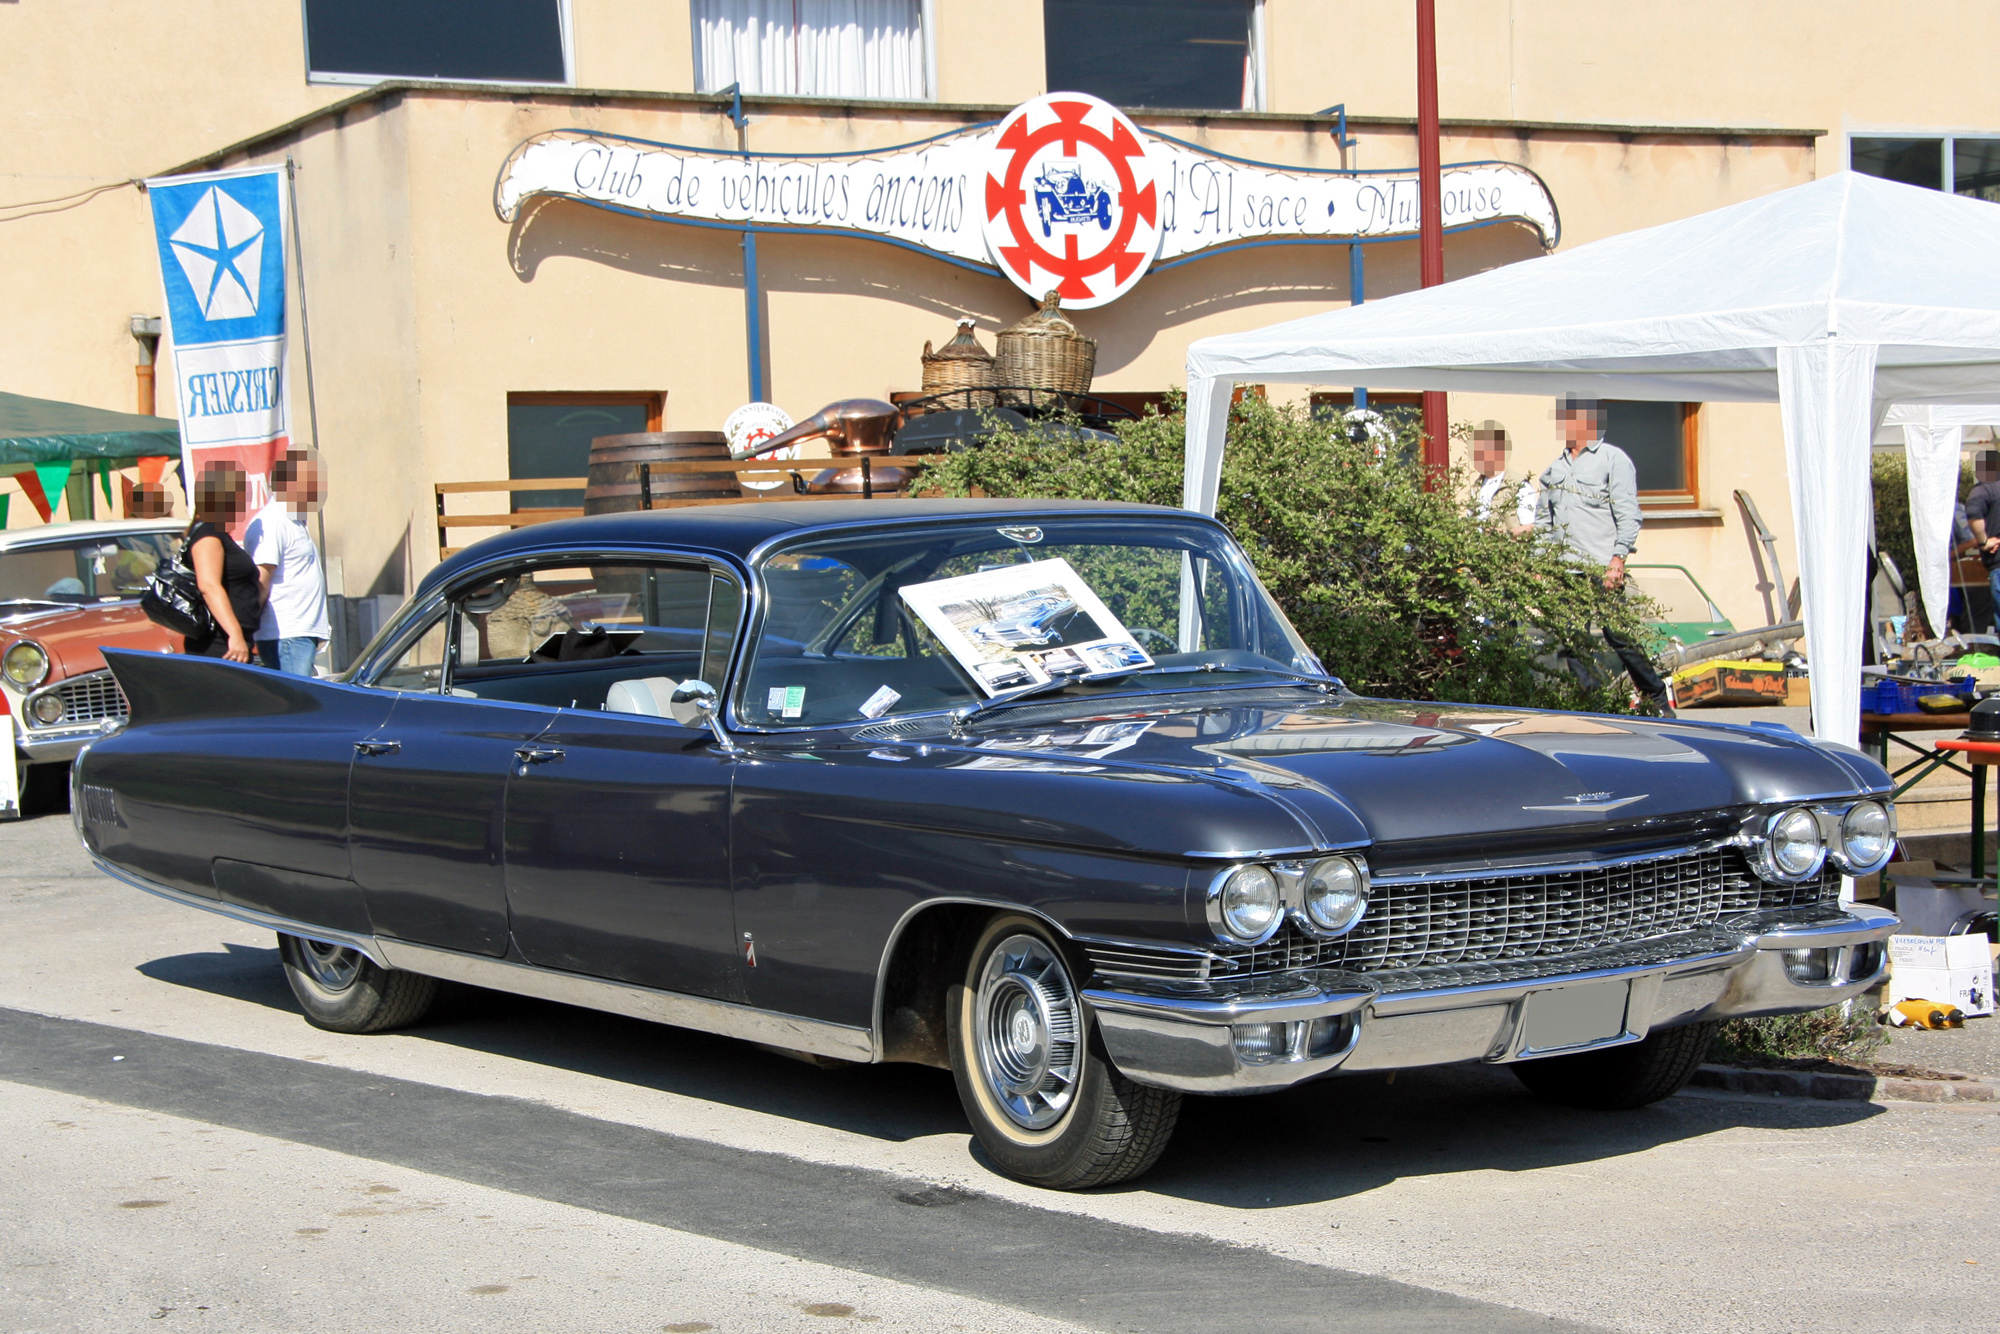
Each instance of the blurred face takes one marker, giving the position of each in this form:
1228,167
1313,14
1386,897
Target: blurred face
1489,452
306,490
1579,426
1986,470
219,495
150,502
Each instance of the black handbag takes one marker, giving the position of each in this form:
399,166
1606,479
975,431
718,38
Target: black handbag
173,599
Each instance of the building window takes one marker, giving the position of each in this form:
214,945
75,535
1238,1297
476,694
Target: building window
498,41
1157,53
1963,164
1661,439
549,435
812,48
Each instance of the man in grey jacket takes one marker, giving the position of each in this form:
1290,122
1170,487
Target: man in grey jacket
1590,504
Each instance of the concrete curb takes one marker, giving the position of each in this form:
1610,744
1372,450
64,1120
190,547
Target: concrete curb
1842,1088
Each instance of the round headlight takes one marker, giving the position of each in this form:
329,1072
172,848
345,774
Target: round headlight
1796,849
47,709
1247,904
26,665
1866,834
1336,894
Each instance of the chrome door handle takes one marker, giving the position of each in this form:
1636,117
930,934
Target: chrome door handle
538,754
377,747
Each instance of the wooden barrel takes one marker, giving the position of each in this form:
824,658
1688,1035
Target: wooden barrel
613,485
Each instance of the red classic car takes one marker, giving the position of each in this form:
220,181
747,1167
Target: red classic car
65,591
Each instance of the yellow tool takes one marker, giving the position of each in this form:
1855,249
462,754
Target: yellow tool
1921,1014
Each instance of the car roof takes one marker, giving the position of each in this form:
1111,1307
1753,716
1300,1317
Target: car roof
737,530
82,530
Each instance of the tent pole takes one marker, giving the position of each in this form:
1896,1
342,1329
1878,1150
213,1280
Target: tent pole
1437,447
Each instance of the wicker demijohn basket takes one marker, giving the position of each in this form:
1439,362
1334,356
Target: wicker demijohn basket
961,364
1044,351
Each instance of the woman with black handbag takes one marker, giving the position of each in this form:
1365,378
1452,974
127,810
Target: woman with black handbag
224,570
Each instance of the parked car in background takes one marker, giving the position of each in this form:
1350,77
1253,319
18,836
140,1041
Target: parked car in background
706,767
66,590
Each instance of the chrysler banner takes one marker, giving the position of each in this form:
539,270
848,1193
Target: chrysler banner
221,237
1065,192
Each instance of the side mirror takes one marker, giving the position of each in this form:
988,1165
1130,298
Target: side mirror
695,704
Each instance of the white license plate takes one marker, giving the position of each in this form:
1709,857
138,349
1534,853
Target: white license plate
1575,1016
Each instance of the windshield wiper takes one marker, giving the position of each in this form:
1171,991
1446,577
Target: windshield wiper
1323,682
960,717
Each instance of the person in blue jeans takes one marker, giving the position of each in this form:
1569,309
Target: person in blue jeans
295,622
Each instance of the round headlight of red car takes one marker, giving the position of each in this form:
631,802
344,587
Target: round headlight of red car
26,665
47,708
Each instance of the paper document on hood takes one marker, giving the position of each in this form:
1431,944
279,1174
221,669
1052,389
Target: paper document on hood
1026,625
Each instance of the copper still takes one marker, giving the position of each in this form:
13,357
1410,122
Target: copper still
855,428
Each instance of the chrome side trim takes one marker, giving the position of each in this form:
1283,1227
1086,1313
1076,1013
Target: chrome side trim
724,1018
369,946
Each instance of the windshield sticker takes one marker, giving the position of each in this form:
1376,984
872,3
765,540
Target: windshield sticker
880,702
786,701
1026,625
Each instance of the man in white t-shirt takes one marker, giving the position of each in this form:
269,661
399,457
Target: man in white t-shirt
295,622
1489,461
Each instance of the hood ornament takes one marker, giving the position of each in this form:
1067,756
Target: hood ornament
1598,802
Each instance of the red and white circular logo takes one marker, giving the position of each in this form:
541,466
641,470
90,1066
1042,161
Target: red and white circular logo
1070,200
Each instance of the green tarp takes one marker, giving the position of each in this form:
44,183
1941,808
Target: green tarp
41,430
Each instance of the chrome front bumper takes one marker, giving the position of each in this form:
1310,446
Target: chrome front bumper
54,745
1345,1021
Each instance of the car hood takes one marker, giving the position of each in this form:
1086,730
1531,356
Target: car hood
1388,772
73,635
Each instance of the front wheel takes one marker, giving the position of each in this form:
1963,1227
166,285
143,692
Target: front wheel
1043,1099
342,990
1620,1078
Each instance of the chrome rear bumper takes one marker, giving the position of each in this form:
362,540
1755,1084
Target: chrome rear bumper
1347,1021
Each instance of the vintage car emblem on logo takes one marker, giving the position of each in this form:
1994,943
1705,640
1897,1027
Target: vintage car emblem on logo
1600,802
1071,202
220,249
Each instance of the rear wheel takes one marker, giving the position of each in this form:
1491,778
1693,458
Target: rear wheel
342,990
1043,1099
1620,1078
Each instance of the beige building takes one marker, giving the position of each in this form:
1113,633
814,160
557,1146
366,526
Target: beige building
449,344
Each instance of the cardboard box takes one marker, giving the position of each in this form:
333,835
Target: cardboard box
1955,970
1730,682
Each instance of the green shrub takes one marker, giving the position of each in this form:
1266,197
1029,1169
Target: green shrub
1837,1033
1401,591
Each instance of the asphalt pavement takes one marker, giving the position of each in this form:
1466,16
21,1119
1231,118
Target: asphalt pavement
182,1148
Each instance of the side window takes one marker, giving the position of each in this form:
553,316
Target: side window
420,667
725,602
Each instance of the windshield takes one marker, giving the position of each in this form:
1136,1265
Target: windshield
102,569
856,629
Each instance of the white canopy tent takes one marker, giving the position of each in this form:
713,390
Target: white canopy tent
1835,299
1932,436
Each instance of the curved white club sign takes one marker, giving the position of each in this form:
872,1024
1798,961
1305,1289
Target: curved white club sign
1064,193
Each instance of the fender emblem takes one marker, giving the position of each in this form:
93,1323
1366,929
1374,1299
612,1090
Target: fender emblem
1590,801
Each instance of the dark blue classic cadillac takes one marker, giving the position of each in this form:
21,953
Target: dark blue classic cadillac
752,769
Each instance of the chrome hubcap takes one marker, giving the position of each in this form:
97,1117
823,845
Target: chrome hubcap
1028,1029
333,967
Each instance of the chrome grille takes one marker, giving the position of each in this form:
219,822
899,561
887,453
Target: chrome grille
1502,918
1151,962
89,698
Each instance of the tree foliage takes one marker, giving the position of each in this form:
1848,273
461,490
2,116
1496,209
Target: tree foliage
1402,592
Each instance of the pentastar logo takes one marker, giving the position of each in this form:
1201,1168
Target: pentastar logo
220,248
1071,201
